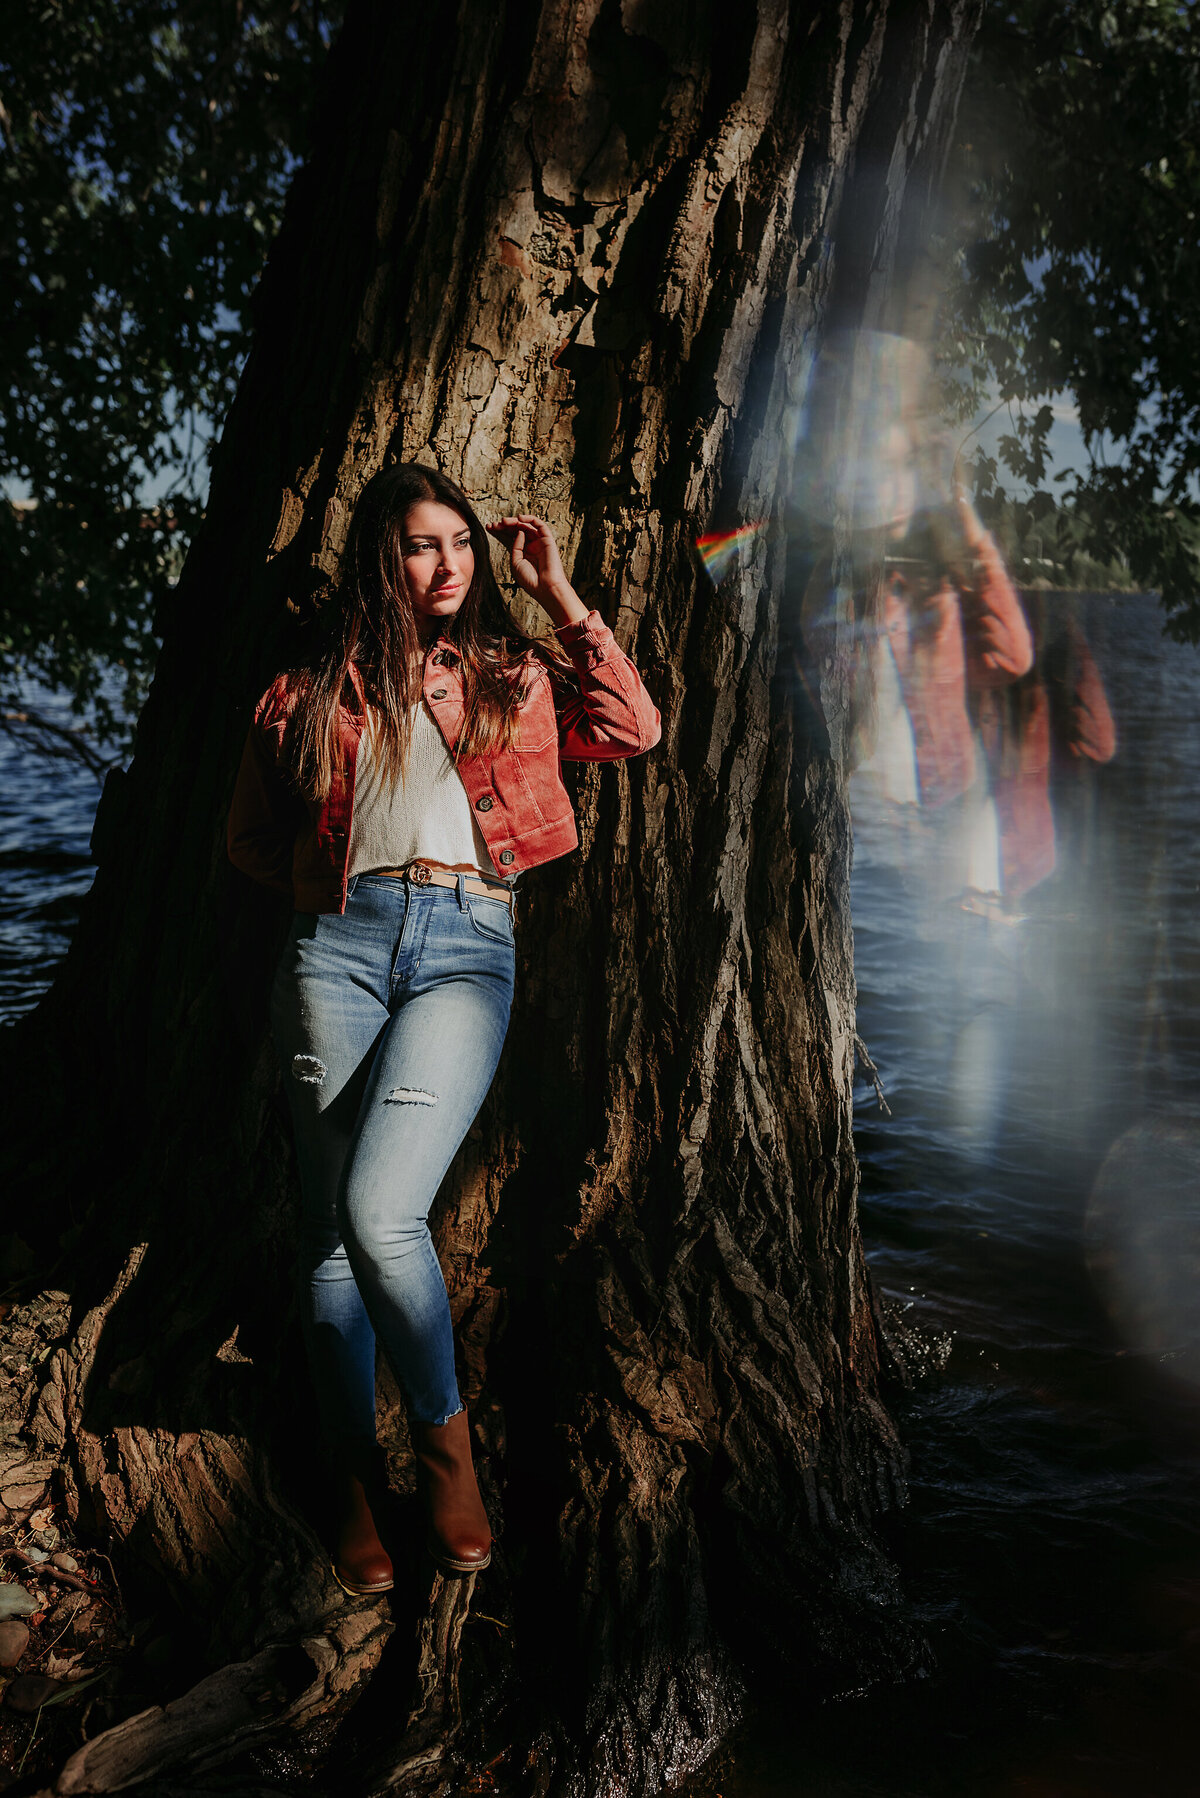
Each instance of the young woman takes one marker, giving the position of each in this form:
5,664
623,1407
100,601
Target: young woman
952,622
395,789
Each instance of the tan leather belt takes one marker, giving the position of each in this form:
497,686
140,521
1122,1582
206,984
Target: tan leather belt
422,875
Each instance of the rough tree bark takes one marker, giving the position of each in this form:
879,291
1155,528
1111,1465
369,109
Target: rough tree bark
580,253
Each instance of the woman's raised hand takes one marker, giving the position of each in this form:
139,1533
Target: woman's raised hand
537,566
532,553
973,526
538,569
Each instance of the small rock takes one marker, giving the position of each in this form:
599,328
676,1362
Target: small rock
80,1620
37,1554
14,1640
15,1601
29,1691
67,1562
66,1608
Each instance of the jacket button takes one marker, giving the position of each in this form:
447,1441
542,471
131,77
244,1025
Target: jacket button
438,693
506,856
484,804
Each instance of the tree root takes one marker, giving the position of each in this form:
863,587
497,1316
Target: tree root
862,1056
239,1707
436,1715
46,1570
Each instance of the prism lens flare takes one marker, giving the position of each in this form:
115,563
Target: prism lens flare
720,550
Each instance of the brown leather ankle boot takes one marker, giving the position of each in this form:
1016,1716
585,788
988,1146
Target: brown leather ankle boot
460,1540
358,1481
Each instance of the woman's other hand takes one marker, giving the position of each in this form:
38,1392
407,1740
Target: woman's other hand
537,566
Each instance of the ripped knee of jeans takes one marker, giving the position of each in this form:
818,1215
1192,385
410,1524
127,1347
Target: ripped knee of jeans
308,1070
409,1095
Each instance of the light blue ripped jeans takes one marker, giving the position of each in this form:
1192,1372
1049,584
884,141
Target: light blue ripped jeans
389,1021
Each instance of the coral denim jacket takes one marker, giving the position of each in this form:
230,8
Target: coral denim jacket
953,647
301,847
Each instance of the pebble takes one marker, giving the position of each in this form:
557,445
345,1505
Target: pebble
67,1562
15,1601
14,1640
37,1554
29,1691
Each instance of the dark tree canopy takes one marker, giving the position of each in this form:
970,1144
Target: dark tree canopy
146,149
1079,140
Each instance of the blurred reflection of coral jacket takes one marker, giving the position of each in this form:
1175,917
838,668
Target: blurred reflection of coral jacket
1060,708
945,645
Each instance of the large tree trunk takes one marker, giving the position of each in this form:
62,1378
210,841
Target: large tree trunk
581,256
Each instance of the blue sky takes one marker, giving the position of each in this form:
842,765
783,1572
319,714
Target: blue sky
1066,444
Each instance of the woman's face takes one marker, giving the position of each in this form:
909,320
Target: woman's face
438,561
899,486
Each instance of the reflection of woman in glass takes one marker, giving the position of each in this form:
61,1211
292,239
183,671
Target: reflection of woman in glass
943,620
950,616
394,789
1055,720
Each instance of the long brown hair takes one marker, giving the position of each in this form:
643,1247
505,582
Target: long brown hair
371,625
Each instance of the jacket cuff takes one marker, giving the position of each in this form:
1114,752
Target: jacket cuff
588,640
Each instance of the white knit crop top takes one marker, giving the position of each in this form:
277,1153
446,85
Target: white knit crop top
427,814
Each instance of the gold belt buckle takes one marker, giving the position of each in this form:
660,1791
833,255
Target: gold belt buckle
420,874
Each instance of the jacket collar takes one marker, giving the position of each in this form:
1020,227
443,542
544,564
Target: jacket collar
440,652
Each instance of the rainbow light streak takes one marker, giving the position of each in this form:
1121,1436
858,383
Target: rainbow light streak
719,549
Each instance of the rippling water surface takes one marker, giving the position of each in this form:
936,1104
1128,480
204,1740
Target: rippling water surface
46,810
1033,1201
1032,1214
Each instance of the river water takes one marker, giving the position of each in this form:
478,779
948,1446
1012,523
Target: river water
46,811
1032,1218
1031,1208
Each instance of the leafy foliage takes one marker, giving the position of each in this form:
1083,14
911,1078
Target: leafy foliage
147,146
1043,546
1079,140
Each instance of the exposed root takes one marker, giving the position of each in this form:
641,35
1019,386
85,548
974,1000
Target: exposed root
872,1072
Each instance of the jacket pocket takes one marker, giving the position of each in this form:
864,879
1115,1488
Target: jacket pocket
538,720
